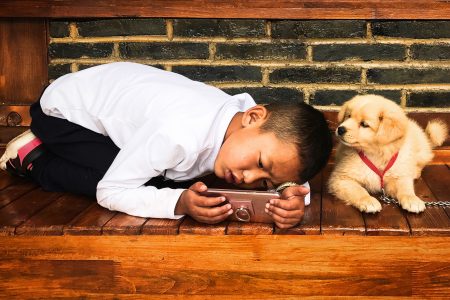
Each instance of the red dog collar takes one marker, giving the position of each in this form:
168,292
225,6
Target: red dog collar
375,169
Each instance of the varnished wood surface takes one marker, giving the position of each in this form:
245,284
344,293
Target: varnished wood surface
281,9
25,209
23,67
224,267
65,246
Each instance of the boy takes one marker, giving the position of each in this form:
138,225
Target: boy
105,131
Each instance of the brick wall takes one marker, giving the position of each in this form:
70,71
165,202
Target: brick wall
321,62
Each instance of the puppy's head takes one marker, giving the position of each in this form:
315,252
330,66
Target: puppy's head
368,121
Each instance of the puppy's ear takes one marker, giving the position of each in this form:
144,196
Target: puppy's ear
342,112
392,126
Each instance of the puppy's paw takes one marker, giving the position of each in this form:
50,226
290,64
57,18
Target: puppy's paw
412,204
369,205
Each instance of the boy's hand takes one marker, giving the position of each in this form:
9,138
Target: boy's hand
201,208
289,209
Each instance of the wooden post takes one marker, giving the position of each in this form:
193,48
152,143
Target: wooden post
23,60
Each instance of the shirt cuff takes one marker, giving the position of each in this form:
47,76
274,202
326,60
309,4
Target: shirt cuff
173,203
307,196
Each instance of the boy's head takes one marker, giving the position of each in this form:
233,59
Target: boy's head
307,128
268,145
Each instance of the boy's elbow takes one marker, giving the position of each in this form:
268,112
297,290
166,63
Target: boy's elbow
101,198
107,197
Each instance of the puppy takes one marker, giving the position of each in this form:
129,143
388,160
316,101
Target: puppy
376,128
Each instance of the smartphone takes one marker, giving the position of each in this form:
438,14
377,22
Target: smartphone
247,205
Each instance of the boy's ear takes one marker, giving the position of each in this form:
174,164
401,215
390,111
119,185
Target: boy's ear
255,116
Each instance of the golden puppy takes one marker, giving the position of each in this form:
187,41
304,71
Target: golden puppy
376,130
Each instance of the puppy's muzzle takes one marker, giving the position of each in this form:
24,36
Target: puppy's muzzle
341,130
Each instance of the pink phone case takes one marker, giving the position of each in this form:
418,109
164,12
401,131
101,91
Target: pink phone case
247,205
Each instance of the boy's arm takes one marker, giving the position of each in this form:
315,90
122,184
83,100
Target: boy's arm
122,188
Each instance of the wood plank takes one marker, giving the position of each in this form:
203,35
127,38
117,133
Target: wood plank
432,221
161,226
438,178
190,226
59,275
6,179
90,221
337,217
433,277
12,192
123,224
242,228
340,219
52,219
389,221
20,210
250,267
8,133
441,155
282,9
23,71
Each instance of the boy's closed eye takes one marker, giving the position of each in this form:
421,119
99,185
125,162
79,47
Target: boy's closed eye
264,182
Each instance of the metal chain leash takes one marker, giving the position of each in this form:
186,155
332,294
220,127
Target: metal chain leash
389,200
383,197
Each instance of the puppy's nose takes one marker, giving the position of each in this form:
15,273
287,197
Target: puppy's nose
341,130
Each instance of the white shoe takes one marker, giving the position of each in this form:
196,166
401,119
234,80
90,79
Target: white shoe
20,153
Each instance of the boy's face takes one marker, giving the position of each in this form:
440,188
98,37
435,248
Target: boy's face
250,158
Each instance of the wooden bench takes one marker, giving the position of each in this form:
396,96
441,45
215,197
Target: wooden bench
62,245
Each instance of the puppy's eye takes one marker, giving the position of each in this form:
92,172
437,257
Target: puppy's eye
363,124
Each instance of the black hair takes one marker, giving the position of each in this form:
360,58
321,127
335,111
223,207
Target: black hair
307,128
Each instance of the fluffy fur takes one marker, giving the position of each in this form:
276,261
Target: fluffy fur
380,128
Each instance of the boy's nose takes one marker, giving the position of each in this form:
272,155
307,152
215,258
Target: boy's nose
251,176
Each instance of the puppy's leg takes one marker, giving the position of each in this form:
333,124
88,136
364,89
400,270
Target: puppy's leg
403,190
352,193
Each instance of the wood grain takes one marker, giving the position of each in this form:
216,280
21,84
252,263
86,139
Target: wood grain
6,179
432,221
337,217
8,133
52,219
20,210
190,226
26,210
90,221
282,9
242,228
12,192
389,221
123,224
438,178
161,226
225,266
23,71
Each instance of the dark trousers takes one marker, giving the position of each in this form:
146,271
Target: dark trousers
76,158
